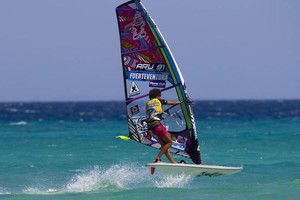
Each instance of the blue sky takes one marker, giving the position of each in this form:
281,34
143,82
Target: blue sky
68,50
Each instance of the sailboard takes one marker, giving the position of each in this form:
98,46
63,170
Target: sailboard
192,169
148,63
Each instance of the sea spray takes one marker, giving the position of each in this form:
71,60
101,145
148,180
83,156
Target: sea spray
123,176
173,181
115,177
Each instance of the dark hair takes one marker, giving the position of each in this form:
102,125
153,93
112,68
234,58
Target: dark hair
154,93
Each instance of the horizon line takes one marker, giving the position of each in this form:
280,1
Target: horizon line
198,100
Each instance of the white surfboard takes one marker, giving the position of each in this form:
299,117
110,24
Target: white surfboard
192,169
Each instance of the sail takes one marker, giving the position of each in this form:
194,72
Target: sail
147,63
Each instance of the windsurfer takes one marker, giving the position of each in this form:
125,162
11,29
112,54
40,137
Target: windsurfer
153,118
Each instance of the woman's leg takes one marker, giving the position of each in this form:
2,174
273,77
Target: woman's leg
166,143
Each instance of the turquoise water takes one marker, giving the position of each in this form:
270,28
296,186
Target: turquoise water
57,159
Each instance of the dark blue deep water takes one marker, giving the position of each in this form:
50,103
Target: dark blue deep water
115,110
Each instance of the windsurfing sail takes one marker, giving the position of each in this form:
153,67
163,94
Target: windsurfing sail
147,63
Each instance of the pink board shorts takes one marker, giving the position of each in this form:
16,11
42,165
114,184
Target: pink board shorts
160,131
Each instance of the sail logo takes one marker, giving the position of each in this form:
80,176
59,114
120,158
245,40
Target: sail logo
157,84
138,29
134,110
179,143
150,67
134,89
147,76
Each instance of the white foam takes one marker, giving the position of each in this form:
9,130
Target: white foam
18,123
86,181
34,190
124,176
114,178
4,191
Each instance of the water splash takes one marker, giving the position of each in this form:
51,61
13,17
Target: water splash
86,181
173,181
116,177
124,176
112,179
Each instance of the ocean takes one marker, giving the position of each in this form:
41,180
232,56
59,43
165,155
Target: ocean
68,150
